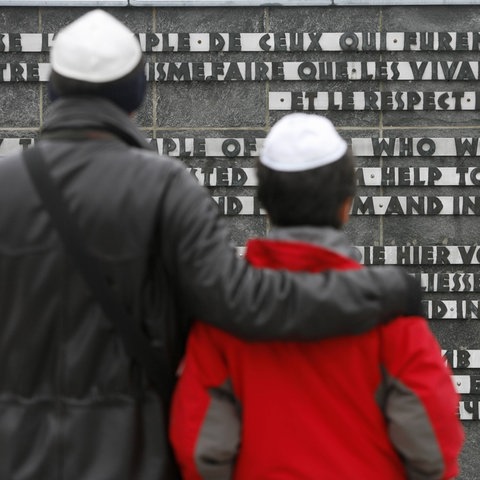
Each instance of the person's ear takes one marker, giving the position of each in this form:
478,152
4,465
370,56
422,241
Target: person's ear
344,210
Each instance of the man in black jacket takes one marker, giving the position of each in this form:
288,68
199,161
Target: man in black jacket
74,405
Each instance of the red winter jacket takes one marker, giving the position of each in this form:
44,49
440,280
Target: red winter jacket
380,405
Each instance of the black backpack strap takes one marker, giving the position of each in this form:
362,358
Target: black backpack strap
135,342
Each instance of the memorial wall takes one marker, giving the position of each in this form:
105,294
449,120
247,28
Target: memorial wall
399,82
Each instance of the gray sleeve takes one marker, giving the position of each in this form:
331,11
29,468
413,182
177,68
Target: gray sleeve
411,432
219,437
225,291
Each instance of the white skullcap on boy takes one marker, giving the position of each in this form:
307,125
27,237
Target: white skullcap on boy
301,141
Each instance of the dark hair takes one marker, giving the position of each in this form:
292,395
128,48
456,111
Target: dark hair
310,197
126,92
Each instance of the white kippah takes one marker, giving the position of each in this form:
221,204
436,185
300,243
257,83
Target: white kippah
96,48
301,141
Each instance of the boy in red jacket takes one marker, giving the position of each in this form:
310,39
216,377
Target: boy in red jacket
380,405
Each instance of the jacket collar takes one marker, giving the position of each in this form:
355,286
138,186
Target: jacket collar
92,113
326,237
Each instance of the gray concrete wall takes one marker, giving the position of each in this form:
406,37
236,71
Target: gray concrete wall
208,110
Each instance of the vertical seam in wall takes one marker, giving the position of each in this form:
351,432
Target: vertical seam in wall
381,238
267,113
267,83
153,84
40,86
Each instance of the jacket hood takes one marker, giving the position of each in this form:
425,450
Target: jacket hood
95,113
326,237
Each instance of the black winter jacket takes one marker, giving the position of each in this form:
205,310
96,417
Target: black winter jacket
73,405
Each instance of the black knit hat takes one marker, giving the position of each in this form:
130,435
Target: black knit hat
97,55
